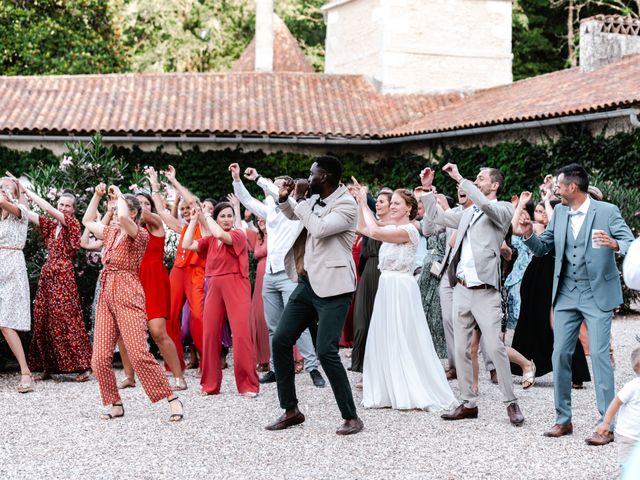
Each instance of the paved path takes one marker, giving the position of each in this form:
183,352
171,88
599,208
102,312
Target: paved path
55,433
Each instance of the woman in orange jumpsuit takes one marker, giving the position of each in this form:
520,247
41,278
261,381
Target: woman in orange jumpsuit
229,293
121,306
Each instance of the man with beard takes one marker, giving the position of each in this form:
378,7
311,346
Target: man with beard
322,263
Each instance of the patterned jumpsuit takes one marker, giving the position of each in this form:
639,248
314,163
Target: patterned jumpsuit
121,313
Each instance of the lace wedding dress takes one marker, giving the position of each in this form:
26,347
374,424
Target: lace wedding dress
401,367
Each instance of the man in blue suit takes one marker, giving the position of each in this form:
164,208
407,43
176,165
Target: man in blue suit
586,235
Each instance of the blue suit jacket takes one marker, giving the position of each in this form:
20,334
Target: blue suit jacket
604,277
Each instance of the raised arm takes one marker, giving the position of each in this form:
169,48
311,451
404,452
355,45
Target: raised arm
170,220
217,231
124,218
45,206
188,243
522,202
433,213
7,204
170,173
371,227
249,202
90,219
235,204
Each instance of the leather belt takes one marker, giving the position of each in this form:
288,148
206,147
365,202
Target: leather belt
484,286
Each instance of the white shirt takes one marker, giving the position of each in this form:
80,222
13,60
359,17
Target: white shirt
467,266
628,422
631,267
578,217
281,232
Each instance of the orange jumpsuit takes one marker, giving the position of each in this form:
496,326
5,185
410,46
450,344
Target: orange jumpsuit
121,313
187,282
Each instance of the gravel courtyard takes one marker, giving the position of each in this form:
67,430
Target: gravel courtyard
55,432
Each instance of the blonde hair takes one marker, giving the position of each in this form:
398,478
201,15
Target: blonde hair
15,185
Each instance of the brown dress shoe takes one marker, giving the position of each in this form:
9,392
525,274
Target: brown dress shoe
515,415
286,420
461,412
493,375
598,440
559,430
351,426
452,374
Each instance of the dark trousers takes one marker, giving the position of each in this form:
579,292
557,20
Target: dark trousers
325,318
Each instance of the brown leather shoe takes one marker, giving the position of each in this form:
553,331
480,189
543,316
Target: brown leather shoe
515,415
559,430
286,420
598,440
452,374
461,412
351,426
493,375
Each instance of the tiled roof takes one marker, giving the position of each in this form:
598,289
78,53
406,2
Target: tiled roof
558,94
287,54
303,104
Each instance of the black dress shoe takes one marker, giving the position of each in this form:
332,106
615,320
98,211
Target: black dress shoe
351,426
316,376
268,377
286,420
515,415
461,412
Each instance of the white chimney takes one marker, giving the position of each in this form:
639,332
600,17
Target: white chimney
607,38
264,35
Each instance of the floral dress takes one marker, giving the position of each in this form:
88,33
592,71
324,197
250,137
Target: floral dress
60,343
15,302
514,280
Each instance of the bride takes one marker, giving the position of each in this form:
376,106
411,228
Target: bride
401,367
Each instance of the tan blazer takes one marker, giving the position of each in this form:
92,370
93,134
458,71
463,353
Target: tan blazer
487,231
324,242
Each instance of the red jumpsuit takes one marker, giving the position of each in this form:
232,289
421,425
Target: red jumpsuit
155,279
229,292
187,283
60,342
121,313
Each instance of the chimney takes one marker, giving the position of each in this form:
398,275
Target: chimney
607,38
264,36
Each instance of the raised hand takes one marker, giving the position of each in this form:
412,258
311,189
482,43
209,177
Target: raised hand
285,190
114,191
525,197
442,201
426,178
196,211
170,173
233,200
101,190
251,174
451,169
301,188
234,168
524,226
152,175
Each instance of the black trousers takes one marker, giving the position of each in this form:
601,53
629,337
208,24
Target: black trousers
325,319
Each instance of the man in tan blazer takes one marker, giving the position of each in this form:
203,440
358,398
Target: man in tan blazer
322,263
474,272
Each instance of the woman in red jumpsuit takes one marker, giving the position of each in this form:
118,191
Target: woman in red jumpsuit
121,306
60,343
229,293
156,286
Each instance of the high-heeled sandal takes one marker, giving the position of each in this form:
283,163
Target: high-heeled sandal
176,417
126,382
110,416
25,387
180,384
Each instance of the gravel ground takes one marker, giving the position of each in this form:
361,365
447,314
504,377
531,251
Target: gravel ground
55,432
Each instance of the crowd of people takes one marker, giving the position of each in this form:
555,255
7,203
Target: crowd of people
406,279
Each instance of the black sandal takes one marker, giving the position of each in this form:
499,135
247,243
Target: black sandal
176,417
108,416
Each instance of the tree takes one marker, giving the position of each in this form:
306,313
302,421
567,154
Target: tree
306,22
58,37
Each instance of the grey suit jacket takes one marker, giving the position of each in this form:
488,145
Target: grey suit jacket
324,242
604,277
487,231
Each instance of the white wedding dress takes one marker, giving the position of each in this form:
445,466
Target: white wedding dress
401,367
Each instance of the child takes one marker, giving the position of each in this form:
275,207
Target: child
628,402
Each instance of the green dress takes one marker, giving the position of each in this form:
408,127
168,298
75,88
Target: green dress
430,291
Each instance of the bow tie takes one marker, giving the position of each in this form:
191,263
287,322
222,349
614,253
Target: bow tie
476,209
319,202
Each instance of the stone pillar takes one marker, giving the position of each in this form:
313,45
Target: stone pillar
264,35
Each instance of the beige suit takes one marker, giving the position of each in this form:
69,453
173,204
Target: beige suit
486,232
324,241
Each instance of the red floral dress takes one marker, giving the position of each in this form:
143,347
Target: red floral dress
60,343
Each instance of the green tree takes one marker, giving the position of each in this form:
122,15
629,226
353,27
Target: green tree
58,37
306,22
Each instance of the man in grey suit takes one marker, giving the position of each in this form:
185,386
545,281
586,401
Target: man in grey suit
322,263
474,272
586,234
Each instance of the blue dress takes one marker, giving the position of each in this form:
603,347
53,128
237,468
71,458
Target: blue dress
513,281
